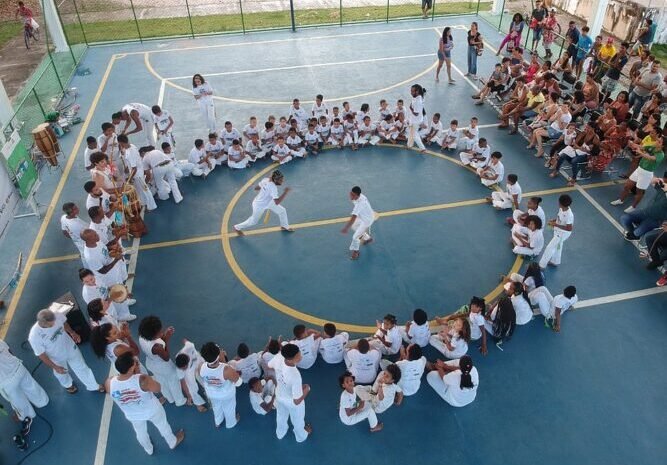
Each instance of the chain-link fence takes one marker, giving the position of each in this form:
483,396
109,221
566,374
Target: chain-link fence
94,21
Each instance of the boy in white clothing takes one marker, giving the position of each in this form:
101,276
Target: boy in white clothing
202,162
385,391
228,135
560,304
319,107
236,156
562,226
281,152
323,128
387,338
314,142
367,132
188,362
363,361
262,395
295,144
268,136
72,226
352,409
164,125
246,363
477,156
251,128
494,172
91,147
308,342
332,345
471,133
384,110
215,150
417,331
337,137
431,131
298,113
351,133
254,148
449,139
511,198
220,382
181,167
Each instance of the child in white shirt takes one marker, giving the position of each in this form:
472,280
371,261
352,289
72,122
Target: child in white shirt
228,135
281,152
199,158
283,128
295,144
477,156
337,137
91,147
246,363
236,156
323,128
431,131
387,338
188,362
510,198
308,341
352,409
385,391
351,133
254,148
215,150
332,345
559,305
181,167
494,171
297,112
384,111
164,125
417,331
452,341
529,241
250,128
363,361
471,133
262,395
313,141
363,112
449,139
268,137
399,110
319,107
367,132
387,130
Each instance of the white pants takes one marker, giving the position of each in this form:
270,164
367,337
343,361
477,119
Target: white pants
22,391
367,413
361,232
147,132
165,181
434,379
540,296
238,165
287,159
527,251
144,194
170,387
183,168
487,182
193,387
414,138
440,346
80,246
469,143
351,138
390,135
202,169
224,410
501,200
466,157
120,311
444,144
285,409
77,364
257,215
208,113
259,154
553,251
298,153
159,419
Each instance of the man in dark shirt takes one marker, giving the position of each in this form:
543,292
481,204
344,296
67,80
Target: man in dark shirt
616,64
537,21
572,35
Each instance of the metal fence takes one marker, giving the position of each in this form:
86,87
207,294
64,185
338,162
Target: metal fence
95,21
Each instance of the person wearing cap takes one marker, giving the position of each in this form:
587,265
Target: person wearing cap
267,199
54,342
290,393
361,221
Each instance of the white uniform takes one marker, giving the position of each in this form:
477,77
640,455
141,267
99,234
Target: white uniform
387,132
61,349
320,110
117,310
371,393
332,349
18,386
133,160
164,372
103,229
312,140
522,308
415,121
324,130
365,216
146,117
206,105
190,373
255,149
351,133
476,321
535,243
417,334
86,156
140,407
74,227
201,167
217,151
294,143
283,151
249,131
337,134
471,140
459,345
516,215
265,199
393,337
268,139
248,367
553,251
221,394
164,174
562,302
103,201
448,139
162,122
258,398
236,159
367,134
503,200
229,136
364,367
298,114
498,169
181,167
289,388
98,257
308,346
349,400
476,151
112,149
449,386
431,129
411,375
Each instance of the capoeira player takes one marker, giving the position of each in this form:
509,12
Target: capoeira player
135,164
416,117
267,199
142,117
361,220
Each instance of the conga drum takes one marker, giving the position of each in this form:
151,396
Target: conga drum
47,143
132,210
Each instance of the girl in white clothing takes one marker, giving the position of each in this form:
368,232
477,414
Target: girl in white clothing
385,391
110,341
387,338
455,381
203,93
154,342
529,241
519,218
452,341
474,311
533,283
352,409
520,301
416,114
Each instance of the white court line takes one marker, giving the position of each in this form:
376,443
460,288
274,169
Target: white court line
105,420
619,297
316,65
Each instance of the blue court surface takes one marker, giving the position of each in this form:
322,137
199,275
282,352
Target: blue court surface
592,394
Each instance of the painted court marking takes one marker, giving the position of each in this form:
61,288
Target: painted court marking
620,297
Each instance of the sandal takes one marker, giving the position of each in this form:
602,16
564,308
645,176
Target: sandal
72,389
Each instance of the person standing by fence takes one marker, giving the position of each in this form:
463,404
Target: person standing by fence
475,48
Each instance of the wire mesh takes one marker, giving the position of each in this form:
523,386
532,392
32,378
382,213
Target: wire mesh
313,12
210,17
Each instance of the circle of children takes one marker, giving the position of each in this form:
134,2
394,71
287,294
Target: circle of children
587,130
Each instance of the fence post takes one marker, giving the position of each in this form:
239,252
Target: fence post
291,14
433,10
502,12
41,108
340,14
477,13
78,17
192,29
136,21
242,20
387,11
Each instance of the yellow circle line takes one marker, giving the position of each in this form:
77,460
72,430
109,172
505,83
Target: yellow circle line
151,70
286,309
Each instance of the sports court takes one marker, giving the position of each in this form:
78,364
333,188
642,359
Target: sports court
589,394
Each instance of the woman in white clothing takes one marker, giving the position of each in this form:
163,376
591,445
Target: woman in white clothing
416,117
203,93
154,342
455,381
533,282
352,409
110,341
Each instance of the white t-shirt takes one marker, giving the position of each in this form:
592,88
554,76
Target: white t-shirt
454,395
258,398
389,390
563,121
134,161
312,138
86,155
281,150
564,218
411,374
268,192
536,240
363,210
74,227
298,114
366,129
249,130
419,334
522,309
154,158
320,110
293,142
476,320
200,90
215,384
8,362
94,292
103,229
348,400
249,367
562,302
162,121
333,348
323,130
229,136
515,189
289,385
144,111
213,149
196,360
498,169
308,346
267,137
197,156
364,367
474,132
53,341
103,200
253,148
337,132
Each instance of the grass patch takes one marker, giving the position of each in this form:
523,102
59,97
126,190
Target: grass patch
105,31
9,30
660,52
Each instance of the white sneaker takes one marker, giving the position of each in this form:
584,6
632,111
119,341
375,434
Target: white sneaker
617,202
630,209
130,317
131,302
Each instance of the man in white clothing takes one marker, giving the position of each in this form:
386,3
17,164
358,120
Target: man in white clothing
267,199
161,169
477,156
108,271
290,393
136,173
19,388
142,117
220,381
72,227
361,220
55,343
134,393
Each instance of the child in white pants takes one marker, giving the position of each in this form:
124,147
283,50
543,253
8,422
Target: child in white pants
188,362
352,409
562,226
511,198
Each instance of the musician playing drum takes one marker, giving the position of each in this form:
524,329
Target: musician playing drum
136,173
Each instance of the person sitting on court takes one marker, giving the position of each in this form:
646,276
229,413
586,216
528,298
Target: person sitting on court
363,361
494,172
262,395
501,321
418,330
385,391
308,342
387,338
529,241
510,198
559,305
246,363
412,365
452,340
353,410
656,249
455,381
281,152
478,155
332,344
